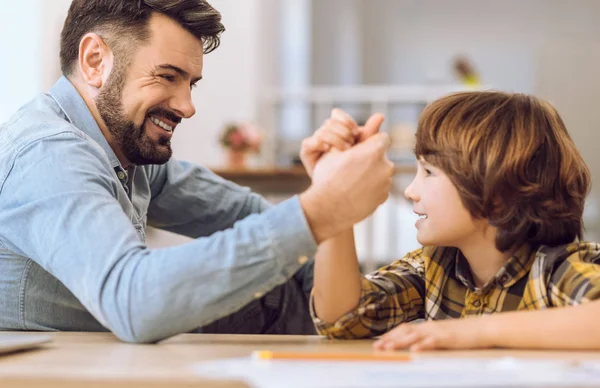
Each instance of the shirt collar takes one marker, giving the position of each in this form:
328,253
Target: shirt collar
78,114
517,266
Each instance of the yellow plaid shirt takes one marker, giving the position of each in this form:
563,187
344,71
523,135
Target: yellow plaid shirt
436,283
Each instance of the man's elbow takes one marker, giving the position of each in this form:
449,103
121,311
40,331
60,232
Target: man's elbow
142,335
135,328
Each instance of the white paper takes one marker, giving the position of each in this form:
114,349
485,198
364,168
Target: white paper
498,372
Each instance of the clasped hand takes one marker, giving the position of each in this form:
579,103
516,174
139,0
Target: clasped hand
348,165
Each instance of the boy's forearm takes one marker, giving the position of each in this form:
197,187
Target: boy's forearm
337,284
555,328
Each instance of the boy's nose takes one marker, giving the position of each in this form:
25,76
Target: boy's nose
410,192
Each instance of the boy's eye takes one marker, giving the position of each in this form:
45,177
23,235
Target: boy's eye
427,171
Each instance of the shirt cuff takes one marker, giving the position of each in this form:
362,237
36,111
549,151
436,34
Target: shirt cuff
290,234
351,325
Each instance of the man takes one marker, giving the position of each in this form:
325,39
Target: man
85,167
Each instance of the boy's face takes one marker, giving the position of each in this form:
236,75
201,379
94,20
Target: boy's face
444,221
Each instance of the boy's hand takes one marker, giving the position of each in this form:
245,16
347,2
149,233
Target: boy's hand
339,132
463,333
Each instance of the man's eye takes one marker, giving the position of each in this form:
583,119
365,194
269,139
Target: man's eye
167,77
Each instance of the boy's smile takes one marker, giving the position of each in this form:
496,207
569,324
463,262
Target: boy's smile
443,219
422,218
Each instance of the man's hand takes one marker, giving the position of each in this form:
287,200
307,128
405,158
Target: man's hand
463,333
348,186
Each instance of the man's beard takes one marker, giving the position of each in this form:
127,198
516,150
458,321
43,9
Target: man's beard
135,144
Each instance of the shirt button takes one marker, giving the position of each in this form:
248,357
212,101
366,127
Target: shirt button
302,260
477,303
121,175
258,295
504,279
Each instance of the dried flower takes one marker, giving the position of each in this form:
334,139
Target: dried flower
243,137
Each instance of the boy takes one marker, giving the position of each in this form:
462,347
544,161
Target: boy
500,191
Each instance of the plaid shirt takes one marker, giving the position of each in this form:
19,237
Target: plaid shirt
436,283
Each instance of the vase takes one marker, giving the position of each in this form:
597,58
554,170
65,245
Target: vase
236,159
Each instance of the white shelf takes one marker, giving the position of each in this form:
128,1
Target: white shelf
408,94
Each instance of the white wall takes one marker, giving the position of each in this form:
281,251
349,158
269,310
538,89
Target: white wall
338,42
55,12
568,77
414,41
20,66
234,76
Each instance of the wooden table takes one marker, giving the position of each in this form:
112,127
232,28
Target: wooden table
269,181
100,360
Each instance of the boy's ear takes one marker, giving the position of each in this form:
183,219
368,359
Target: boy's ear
371,127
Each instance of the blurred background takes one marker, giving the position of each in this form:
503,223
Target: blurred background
283,64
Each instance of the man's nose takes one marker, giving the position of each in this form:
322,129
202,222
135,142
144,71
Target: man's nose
182,103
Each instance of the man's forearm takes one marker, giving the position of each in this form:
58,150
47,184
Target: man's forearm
337,283
555,328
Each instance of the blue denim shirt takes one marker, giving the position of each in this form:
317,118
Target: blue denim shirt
72,230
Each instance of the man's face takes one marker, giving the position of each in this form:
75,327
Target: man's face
142,103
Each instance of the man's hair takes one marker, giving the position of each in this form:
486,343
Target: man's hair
512,162
123,23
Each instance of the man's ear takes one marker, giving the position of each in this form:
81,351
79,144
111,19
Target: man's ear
95,60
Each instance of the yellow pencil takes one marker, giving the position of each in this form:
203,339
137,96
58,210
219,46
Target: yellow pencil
269,355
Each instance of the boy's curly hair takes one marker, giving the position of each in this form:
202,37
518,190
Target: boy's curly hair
513,163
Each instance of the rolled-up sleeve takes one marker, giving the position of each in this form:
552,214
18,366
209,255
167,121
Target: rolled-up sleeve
191,200
391,295
64,215
576,279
